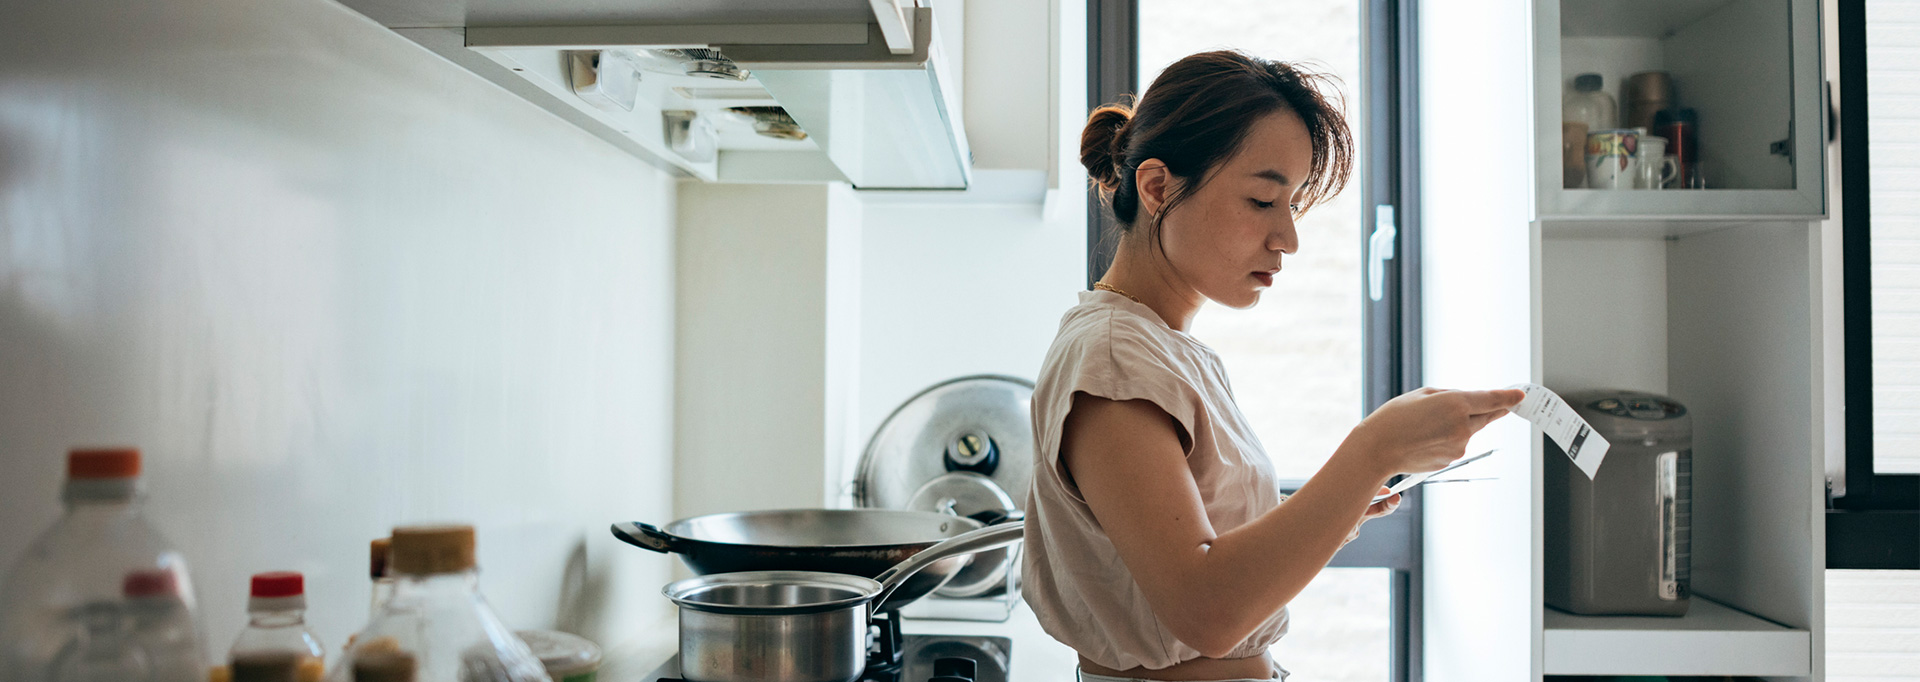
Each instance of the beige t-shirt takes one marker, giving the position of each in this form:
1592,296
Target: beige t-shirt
1112,347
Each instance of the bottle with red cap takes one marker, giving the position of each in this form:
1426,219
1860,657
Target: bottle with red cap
77,572
277,627
162,626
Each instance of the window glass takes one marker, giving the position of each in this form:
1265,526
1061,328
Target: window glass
1340,627
1295,359
1893,116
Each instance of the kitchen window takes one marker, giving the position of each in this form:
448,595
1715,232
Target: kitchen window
1336,336
1875,522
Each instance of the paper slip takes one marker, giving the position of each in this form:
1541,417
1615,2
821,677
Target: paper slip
1573,434
1417,479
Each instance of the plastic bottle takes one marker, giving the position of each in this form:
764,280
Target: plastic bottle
81,563
377,554
277,628
1590,104
103,651
162,627
437,616
385,666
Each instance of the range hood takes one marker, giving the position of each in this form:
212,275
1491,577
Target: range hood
867,101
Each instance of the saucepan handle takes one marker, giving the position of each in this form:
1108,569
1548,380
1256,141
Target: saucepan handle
971,542
994,517
645,536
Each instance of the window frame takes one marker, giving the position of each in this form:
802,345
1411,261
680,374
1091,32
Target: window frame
1875,524
1390,327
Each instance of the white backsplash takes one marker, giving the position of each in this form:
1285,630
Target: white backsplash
329,283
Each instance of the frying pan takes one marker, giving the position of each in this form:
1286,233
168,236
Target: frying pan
861,542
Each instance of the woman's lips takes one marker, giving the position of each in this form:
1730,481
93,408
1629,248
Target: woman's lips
1266,278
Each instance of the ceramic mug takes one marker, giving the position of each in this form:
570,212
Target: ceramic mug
1573,154
1613,158
1657,167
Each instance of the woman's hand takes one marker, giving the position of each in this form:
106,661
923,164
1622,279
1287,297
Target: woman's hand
1425,429
1374,511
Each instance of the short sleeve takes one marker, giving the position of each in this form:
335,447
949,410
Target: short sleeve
1117,361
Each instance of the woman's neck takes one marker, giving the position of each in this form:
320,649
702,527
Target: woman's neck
1143,272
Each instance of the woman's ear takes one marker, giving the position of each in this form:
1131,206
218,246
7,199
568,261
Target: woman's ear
1151,182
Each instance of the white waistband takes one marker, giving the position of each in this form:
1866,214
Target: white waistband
1092,677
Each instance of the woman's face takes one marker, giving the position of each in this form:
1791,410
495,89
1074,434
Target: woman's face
1227,239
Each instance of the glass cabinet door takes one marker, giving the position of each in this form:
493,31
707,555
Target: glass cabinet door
1679,110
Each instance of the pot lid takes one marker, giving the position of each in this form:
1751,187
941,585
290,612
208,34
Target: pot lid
965,493
980,424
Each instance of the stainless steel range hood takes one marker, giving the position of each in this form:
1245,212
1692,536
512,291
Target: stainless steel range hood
871,93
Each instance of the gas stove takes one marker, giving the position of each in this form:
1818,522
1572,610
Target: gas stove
923,658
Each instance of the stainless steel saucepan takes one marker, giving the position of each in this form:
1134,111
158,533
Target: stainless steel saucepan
798,626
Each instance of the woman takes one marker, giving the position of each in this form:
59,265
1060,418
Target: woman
1157,543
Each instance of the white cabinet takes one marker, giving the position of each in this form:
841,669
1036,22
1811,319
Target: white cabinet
1710,296
1726,322
876,85
808,91
1750,69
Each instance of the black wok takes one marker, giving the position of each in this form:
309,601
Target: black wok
862,542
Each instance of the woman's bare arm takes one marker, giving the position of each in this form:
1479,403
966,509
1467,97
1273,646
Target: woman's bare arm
1212,590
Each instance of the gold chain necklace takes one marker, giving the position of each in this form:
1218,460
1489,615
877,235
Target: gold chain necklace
1103,286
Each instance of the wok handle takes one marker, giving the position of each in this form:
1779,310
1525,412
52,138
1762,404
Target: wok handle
645,536
971,542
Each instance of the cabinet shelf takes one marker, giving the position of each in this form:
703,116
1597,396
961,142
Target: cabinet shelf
1712,639
1750,69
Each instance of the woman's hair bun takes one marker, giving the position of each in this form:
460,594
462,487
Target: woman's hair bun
1100,142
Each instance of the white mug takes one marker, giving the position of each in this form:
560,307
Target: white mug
1656,167
1612,158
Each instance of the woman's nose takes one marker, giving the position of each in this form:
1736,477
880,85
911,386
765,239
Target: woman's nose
1284,239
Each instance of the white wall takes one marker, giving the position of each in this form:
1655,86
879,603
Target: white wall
958,289
768,308
329,283
1480,614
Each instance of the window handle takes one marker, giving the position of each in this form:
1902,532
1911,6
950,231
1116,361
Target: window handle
1380,250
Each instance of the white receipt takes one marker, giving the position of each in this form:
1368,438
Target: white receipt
1573,434
1416,479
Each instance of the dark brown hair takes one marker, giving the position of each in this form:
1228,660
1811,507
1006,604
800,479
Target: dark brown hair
1195,116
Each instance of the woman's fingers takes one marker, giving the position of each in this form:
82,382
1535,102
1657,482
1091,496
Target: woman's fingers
1483,402
1383,507
1480,421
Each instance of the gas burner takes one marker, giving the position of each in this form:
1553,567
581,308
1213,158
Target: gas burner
923,658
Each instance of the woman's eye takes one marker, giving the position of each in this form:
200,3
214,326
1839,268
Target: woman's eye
1261,204
1293,207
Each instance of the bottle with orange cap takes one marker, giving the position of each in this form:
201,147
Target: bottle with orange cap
437,618
79,569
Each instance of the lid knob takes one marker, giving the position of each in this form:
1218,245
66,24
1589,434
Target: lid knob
973,451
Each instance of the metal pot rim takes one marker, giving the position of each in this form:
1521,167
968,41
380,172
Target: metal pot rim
681,591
